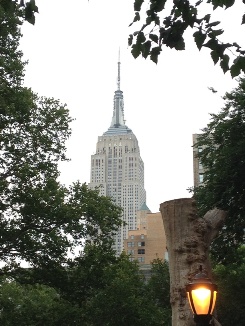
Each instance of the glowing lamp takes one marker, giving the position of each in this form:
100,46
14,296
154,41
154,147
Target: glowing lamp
201,293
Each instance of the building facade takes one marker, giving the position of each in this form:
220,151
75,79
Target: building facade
198,170
148,241
118,169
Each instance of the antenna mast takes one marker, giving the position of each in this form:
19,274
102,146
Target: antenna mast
118,74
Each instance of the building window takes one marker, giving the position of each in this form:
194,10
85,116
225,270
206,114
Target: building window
142,236
132,237
141,251
130,252
141,244
201,177
141,259
130,244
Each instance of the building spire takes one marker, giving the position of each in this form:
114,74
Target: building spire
118,123
118,73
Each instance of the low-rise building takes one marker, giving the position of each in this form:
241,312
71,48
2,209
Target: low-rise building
148,241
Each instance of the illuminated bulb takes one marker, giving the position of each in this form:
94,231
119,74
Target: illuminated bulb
201,297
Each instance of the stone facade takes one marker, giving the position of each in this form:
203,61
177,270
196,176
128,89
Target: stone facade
148,241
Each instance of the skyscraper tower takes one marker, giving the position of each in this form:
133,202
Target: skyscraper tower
118,168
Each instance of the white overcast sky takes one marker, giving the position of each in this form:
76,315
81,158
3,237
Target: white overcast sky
73,53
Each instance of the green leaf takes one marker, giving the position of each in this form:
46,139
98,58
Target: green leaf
29,15
229,3
207,18
154,38
217,3
136,17
235,69
136,50
152,17
177,13
160,4
157,20
213,24
198,3
224,63
138,4
130,39
212,44
155,53
199,38
30,19
215,56
141,37
243,19
146,49
180,45
236,45
242,64
215,33
32,3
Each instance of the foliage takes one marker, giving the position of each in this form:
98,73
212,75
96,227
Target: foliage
223,159
159,288
98,289
28,8
76,281
166,23
44,223
49,219
123,299
40,219
231,291
34,305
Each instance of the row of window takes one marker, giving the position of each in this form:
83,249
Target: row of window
140,244
140,252
140,259
142,236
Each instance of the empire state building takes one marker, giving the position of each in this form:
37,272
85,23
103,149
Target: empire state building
118,168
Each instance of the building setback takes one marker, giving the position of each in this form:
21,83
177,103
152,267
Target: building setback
118,169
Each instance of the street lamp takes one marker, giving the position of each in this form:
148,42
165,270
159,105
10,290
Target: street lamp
201,294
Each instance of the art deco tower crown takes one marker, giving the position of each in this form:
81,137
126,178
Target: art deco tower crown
118,122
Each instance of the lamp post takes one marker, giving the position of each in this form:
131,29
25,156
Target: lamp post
201,293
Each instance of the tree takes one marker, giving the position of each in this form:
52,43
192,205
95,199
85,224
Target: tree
158,288
78,279
11,64
123,299
231,290
40,219
53,221
106,290
28,8
167,22
223,159
35,305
